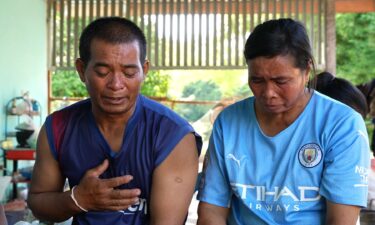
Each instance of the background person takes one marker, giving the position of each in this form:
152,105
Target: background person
343,91
128,159
288,154
368,89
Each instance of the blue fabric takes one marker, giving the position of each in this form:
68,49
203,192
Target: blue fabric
286,179
151,134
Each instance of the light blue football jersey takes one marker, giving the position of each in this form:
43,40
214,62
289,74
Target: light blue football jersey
286,179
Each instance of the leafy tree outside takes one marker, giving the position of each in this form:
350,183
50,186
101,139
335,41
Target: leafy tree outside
198,90
156,84
67,84
355,37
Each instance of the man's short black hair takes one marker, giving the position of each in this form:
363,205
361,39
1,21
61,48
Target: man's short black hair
115,30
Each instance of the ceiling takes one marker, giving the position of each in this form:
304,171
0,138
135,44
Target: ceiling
357,6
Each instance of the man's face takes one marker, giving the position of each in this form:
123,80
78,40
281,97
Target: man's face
113,76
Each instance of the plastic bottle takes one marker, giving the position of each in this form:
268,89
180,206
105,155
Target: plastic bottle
34,105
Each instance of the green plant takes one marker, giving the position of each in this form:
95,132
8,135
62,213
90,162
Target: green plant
355,35
67,84
156,84
198,90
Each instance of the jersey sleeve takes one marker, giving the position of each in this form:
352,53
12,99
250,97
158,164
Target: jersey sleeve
347,163
169,135
55,125
50,137
214,187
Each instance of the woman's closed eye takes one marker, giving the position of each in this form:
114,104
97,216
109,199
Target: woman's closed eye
281,81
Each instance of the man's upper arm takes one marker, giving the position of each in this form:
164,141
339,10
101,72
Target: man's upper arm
173,183
46,172
339,214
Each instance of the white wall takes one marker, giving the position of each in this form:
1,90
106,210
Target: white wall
23,52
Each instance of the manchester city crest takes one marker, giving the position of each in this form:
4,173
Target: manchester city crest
310,155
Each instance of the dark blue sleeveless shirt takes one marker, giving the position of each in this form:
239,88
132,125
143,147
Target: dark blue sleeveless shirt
151,134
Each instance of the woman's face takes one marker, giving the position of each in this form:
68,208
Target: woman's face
278,86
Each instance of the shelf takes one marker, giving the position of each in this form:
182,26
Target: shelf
30,113
16,108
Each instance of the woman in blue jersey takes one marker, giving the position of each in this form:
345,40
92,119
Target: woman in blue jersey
287,155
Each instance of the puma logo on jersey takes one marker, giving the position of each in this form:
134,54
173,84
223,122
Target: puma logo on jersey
232,157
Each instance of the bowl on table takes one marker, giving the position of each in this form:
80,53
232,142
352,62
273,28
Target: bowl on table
22,136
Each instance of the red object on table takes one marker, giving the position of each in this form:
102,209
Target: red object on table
20,154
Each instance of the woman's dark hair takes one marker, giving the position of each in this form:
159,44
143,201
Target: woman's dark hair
114,30
343,91
281,37
368,89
